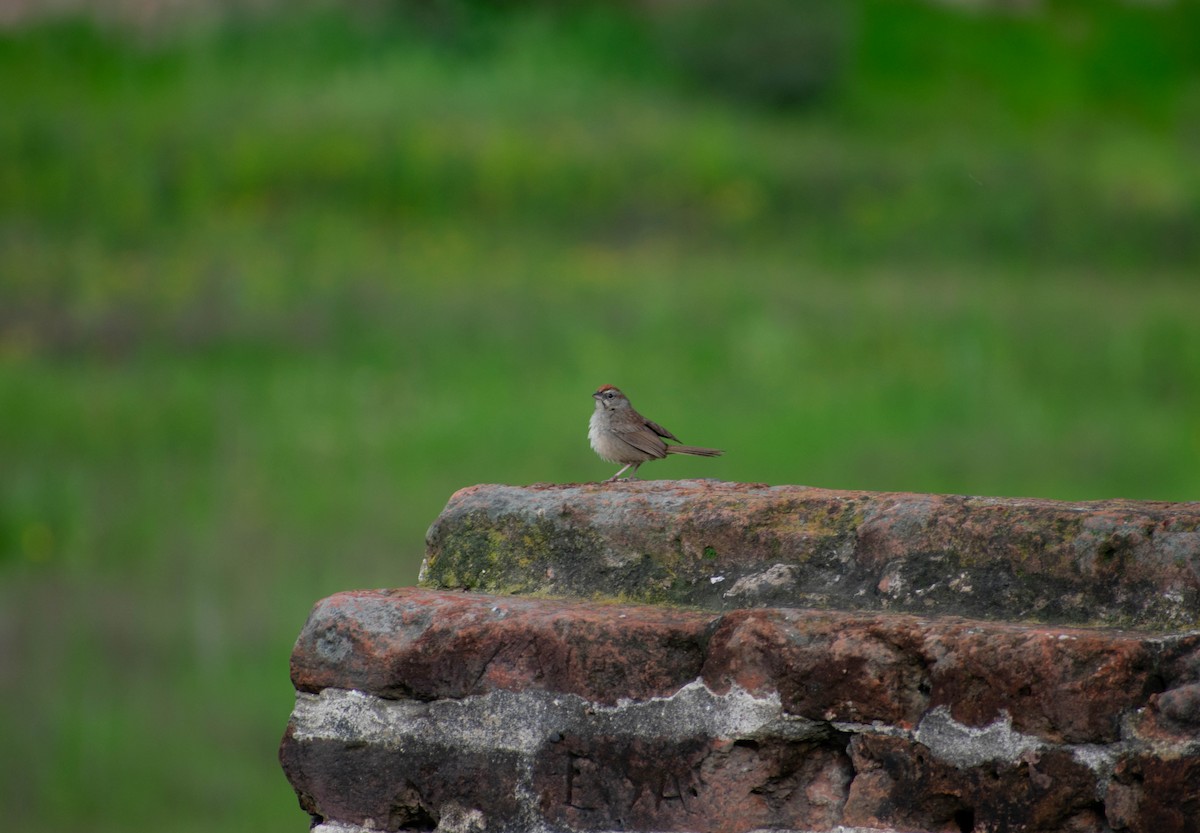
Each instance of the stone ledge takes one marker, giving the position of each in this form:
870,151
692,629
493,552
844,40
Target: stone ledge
419,710
727,545
467,825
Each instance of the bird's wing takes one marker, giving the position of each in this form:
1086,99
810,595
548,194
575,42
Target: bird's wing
662,432
644,440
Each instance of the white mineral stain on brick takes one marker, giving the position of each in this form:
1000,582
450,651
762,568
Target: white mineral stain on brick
775,577
339,827
692,710
523,721
1099,759
971,746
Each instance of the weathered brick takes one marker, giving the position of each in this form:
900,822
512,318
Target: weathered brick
429,645
834,660
825,665
727,545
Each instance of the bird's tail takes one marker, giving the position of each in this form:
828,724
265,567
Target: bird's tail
695,451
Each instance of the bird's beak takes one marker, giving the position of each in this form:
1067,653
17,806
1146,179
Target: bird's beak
596,396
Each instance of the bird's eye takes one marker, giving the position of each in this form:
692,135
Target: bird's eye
608,395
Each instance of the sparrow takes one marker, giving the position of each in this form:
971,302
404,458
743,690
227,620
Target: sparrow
619,434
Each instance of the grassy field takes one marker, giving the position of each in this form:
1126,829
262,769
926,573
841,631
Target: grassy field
272,287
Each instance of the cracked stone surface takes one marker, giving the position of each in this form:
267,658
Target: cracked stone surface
727,658
721,545
451,711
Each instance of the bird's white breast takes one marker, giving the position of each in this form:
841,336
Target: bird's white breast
603,443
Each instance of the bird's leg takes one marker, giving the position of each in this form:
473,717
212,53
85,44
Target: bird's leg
621,472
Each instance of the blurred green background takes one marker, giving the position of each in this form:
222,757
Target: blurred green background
274,282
